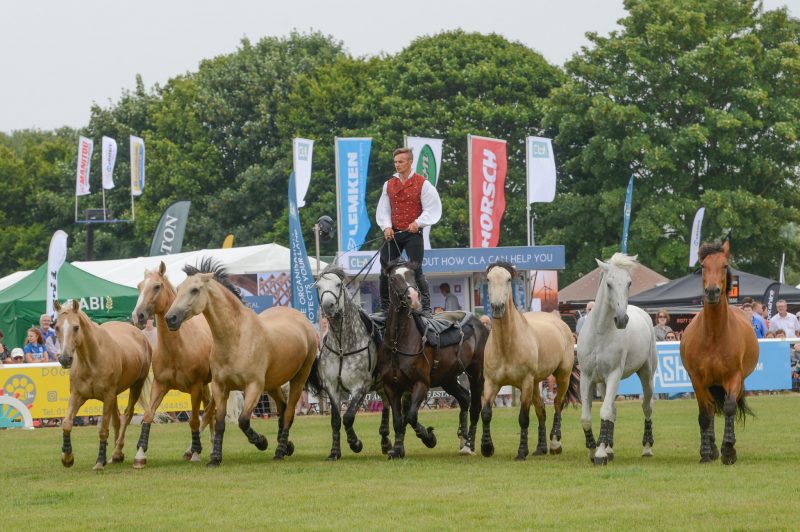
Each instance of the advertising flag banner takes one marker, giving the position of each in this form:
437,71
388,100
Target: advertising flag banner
782,276
770,298
427,154
626,220
694,243
137,166
228,242
352,162
304,294
302,152
168,237
55,259
109,158
541,170
487,177
85,147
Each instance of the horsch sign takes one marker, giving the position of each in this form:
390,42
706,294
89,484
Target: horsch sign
487,190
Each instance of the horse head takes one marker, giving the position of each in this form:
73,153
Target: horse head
193,296
500,274
716,271
615,286
403,290
330,288
154,295
69,330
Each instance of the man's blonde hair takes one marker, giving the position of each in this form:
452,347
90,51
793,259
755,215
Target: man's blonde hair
398,151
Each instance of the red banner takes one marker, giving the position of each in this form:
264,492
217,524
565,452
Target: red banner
487,169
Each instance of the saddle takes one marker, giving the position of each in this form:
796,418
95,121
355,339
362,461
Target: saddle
446,328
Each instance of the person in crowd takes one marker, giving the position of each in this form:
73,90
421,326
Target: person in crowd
662,325
34,349
756,321
784,320
408,203
5,352
487,321
582,319
450,300
17,356
51,344
780,334
150,333
46,326
759,311
769,334
671,337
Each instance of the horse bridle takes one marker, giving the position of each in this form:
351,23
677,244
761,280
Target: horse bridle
403,304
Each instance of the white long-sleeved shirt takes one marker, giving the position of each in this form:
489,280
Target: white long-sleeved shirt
431,207
790,324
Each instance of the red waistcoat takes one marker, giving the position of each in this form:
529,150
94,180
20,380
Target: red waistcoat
405,200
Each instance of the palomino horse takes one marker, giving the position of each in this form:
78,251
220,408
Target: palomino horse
719,350
181,361
251,352
103,361
616,341
347,361
523,350
408,365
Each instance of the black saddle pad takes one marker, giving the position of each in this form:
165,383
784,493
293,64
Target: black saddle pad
375,324
444,331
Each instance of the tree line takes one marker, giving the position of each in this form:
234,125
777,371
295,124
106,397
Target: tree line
698,100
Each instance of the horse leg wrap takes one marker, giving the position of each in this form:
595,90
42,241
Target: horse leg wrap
216,446
706,433
487,447
197,447
728,441
522,451
610,434
648,432
590,443
462,424
280,450
541,443
471,440
66,446
144,437
555,432
101,455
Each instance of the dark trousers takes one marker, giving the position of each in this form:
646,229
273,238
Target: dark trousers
415,249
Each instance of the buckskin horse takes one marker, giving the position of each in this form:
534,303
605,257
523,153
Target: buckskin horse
523,350
103,361
410,361
181,361
719,349
251,352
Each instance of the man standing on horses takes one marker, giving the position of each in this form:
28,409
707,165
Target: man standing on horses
408,203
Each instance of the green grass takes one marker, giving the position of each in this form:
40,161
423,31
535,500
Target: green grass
431,488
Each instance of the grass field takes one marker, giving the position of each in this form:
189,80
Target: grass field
432,488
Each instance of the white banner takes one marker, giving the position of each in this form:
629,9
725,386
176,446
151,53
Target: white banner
694,243
427,155
137,166
85,147
302,153
55,259
109,159
541,170
781,276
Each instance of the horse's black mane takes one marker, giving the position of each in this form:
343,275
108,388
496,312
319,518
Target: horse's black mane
209,265
710,248
505,265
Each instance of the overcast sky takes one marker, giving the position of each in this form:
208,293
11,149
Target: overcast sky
59,56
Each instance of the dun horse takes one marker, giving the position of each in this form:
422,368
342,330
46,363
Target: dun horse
407,364
347,361
103,361
616,341
719,349
181,361
251,352
523,350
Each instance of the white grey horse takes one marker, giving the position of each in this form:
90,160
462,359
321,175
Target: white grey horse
345,368
616,341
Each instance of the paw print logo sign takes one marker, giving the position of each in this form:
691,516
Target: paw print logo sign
20,387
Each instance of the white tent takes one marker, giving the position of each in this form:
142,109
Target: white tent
8,280
241,260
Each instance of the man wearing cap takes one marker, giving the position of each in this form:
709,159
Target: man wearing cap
17,356
408,203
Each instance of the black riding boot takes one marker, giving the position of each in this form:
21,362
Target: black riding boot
384,287
424,293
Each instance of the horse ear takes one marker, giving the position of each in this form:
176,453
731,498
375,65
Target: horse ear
75,305
726,248
162,268
602,265
57,305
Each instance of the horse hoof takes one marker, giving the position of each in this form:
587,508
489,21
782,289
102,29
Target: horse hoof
289,448
212,464
610,456
555,450
195,457
729,458
430,443
187,455
466,451
262,444
521,457
333,457
487,449
68,460
99,466
714,453
705,460
600,460
539,451
139,463
385,446
118,459
394,455
647,452
357,446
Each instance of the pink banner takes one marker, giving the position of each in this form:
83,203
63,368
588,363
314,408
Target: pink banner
85,147
487,168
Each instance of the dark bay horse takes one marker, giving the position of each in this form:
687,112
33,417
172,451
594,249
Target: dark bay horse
103,361
407,364
251,352
348,360
719,349
182,361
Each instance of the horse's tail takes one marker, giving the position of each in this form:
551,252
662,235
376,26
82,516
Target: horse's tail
742,408
314,381
573,396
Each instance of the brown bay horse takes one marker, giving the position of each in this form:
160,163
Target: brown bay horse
182,361
252,353
407,364
103,361
719,349
523,350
